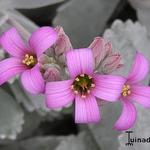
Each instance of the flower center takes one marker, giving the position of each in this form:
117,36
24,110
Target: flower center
29,60
126,90
82,85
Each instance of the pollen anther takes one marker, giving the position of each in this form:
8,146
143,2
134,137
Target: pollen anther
29,60
82,75
72,87
77,79
92,85
90,77
126,90
76,92
88,91
82,85
83,96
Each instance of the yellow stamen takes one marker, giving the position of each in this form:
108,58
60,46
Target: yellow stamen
77,79
90,77
126,90
82,75
29,60
82,85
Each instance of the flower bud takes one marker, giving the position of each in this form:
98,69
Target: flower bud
105,60
111,63
51,72
45,59
62,44
100,49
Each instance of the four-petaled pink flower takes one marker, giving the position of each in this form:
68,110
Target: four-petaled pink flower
24,58
83,87
133,91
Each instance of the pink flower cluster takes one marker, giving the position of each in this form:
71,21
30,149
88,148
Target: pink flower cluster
48,50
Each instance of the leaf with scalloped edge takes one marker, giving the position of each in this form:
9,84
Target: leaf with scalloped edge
11,116
126,38
83,141
143,12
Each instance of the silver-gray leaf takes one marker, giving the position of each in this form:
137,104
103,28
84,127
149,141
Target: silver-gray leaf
82,20
11,116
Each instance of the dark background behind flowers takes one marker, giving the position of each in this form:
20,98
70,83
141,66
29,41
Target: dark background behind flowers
25,122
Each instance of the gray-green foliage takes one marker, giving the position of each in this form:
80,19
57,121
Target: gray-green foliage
11,116
81,20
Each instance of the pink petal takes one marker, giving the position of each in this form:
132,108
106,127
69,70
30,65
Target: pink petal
9,68
80,61
139,69
33,81
127,118
42,39
108,87
12,43
86,110
141,95
59,94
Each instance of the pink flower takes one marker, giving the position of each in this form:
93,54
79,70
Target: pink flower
133,91
106,61
24,59
83,87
